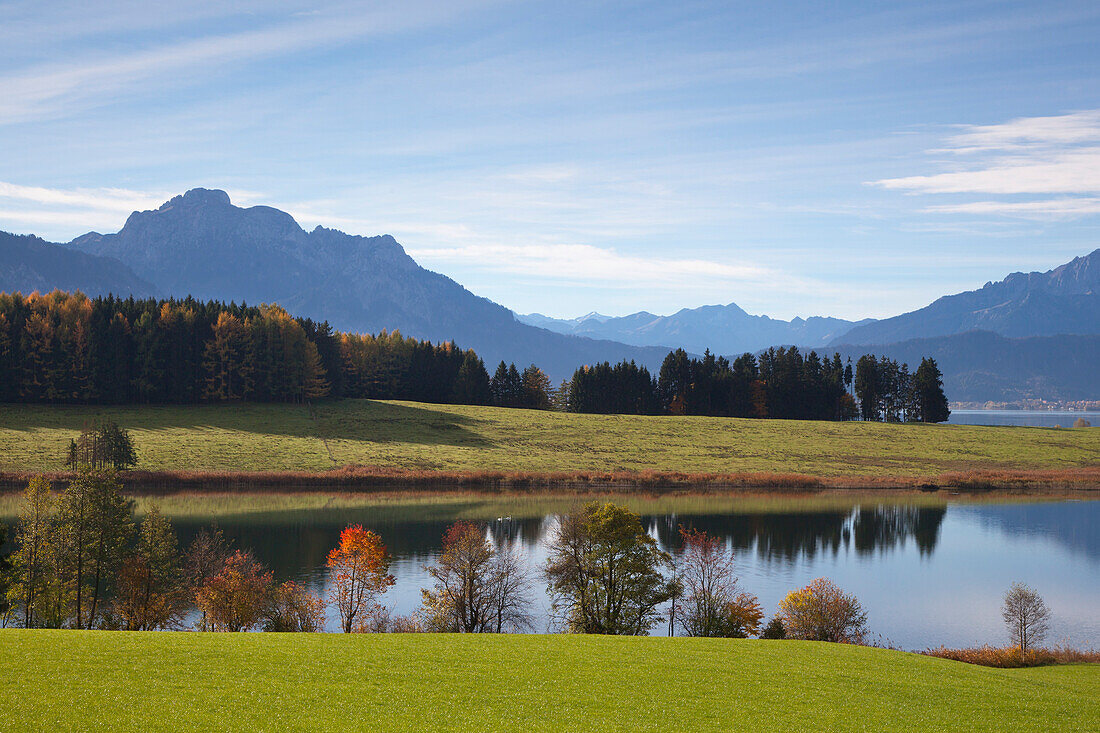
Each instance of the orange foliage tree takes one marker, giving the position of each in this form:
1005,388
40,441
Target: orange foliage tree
823,612
360,568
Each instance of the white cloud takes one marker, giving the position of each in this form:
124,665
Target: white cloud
1023,157
1046,208
587,263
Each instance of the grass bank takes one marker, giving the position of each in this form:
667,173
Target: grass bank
172,681
363,444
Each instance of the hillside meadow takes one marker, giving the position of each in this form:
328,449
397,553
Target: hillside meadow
405,436
61,680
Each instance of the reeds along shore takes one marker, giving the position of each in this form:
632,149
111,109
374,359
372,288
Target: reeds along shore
365,479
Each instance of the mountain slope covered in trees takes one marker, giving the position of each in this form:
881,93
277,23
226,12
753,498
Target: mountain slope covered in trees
199,244
1065,300
724,329
28,263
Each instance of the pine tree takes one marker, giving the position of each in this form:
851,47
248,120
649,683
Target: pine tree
930,399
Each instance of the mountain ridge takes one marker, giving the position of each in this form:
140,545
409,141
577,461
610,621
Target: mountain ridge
199,243
724,329
1020,305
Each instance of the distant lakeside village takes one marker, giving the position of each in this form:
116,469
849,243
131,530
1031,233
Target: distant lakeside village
1032,404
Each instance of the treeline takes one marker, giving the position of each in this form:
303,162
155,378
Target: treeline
68,348
888,391
780,383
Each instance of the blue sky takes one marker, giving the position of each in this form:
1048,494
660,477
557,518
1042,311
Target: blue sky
849,159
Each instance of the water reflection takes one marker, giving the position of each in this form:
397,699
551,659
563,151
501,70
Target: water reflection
927,574
789,537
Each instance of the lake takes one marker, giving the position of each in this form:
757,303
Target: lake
928,572
1033,418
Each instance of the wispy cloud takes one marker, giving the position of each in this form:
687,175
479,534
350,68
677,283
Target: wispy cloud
1025,157
37,209
47,90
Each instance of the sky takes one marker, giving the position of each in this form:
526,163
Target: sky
851,159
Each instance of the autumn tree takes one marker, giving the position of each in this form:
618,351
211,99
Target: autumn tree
605,574
236,598
360,574
204,559
711,603
228,359
1026,615
293,608
478,588
822,612
148,592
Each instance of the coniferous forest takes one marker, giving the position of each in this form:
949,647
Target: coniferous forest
66,348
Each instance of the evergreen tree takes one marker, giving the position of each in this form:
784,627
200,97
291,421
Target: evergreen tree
930,400
472,385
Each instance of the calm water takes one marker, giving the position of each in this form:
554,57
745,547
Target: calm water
1033,418
926,575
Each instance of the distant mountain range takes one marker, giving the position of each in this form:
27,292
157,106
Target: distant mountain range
724,329
1030,335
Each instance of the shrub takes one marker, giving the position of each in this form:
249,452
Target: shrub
1081,423
774,629
822,612
294,608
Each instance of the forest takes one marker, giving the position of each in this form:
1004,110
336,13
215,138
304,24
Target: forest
66,348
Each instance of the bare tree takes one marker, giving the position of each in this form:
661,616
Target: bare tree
478,588
1026,615
713,604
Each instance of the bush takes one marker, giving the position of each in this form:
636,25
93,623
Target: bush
1081,423
822,612
774,629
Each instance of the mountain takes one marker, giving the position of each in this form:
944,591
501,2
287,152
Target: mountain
560,325
1065,300
28,263
201,244
724,329
981,366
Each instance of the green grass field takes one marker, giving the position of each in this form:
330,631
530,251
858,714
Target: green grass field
257,437
55,680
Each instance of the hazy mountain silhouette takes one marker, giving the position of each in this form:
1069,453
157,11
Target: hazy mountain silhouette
28,263
201,244
1065,300
724,329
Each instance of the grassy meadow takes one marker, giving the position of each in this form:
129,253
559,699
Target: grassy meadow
423,437
56,680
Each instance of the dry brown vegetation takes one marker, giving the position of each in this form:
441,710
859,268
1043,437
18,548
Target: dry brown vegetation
369,479
1011,657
